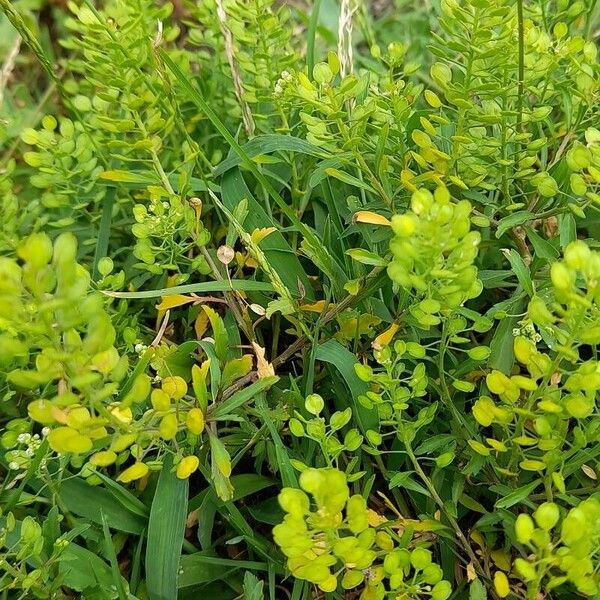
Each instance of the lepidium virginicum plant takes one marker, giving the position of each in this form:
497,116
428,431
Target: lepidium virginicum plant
276,321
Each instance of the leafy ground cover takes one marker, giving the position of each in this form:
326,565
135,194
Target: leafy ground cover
299,299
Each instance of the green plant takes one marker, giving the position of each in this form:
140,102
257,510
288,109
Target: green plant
314,543
297,300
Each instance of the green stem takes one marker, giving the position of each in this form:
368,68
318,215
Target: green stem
453,522
470,59
521,73
463,426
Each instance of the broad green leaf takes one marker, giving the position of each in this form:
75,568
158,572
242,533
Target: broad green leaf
521,270
501,346
253,587
103,238
81,569
201,567
219,333
542,248
94,502
288,475
477,590
567,230
244,485
516,496
471,504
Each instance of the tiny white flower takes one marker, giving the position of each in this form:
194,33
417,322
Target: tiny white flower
23,438
45,431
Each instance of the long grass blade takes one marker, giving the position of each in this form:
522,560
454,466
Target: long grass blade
165,534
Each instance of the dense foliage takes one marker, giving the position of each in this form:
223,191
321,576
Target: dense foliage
299,299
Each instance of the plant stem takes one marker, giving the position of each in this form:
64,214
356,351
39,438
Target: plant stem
453,522
521,73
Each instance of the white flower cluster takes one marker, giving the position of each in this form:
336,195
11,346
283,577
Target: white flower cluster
140,348
527,330
283,80
19,459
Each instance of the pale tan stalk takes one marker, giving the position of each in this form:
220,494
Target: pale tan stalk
345,36
8,66
235,75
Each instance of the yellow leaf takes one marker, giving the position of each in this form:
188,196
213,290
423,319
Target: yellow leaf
317,307
173,301
471,575
366,216
406,177
383,339
375,519
172,280
240,259
459,182
477,538
263,367
201,324
258,235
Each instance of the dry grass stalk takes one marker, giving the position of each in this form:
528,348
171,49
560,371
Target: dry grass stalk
235,75
8,66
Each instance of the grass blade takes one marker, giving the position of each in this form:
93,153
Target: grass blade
112,557
104,231
268,144
245,285
165,534
288,475
241,397
311,37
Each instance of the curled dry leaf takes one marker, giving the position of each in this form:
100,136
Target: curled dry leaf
263,367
